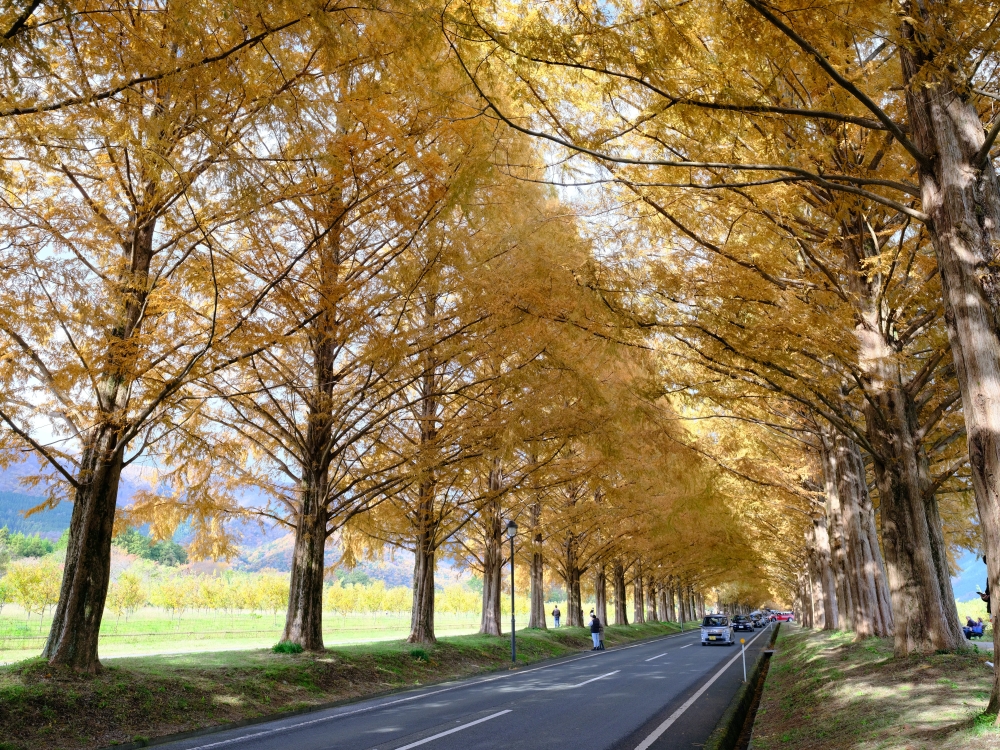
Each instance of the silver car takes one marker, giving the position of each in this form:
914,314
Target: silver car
717,629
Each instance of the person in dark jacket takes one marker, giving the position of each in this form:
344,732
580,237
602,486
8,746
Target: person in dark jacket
556,614
595,631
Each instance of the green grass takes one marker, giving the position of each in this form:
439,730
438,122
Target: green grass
157,695
826,691
151,630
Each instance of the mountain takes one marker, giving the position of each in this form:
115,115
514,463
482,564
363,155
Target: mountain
47,523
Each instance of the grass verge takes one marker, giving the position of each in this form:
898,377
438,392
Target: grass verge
145,697
826,692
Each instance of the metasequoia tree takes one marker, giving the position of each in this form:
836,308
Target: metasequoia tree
919,81
357,182
465,318
112,226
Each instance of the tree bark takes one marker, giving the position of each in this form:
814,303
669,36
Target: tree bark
537,619
638,603
489,623
661,592
618,582
959,191
422,610
872,613
671,612
601,592
304,619
76,620
651,600
824,570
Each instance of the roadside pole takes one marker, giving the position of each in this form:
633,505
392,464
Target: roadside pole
743,646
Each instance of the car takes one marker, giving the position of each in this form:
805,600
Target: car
717,629
785,616
758,620
742,622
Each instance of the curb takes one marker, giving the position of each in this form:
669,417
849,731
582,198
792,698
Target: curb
216,728
727,732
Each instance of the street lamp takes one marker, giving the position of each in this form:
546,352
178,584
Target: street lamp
511,533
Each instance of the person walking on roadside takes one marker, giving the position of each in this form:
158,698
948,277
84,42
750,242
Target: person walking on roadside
601,634
595,631
556,614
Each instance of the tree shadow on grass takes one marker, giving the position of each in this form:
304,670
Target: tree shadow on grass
827,691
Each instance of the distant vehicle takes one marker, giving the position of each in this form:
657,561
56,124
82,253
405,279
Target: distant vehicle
785,616
758,620
742,622
717,629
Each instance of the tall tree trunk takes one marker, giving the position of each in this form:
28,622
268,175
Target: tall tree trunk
872,613
304,620
537,619
638,602
424,552
571,574
76,620
621,605
651,600
959,191
601,592
671,612
489,623
661,592
923,603
843,578
824,570
422,610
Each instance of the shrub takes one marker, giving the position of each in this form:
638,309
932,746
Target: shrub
419,654
286,647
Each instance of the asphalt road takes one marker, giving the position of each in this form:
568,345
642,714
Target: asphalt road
663,694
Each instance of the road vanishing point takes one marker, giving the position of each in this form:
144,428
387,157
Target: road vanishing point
663,694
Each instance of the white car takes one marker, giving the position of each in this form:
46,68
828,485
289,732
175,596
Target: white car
717,629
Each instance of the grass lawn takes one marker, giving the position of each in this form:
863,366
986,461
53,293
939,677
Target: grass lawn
826,692
152,630
144,697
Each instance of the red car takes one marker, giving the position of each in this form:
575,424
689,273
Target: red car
785,616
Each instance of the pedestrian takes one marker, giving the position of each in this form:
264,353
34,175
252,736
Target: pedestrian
595,631
556,614
602,634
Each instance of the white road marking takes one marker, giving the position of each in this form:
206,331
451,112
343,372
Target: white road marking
425,740
581,684
366,709
655,734
690,644
659,655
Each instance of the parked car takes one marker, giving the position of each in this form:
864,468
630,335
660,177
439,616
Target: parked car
717,629
785,616
742,622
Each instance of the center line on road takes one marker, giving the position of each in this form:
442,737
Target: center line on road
658,656
690,644
425,740
581,684
655,734
593,679
420,695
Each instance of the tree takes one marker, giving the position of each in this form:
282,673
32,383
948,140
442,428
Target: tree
126,595
688,96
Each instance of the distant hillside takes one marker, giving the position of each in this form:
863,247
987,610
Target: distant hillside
48,523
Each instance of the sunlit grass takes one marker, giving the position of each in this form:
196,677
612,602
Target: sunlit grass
826,691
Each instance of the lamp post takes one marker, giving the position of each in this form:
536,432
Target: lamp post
511,533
